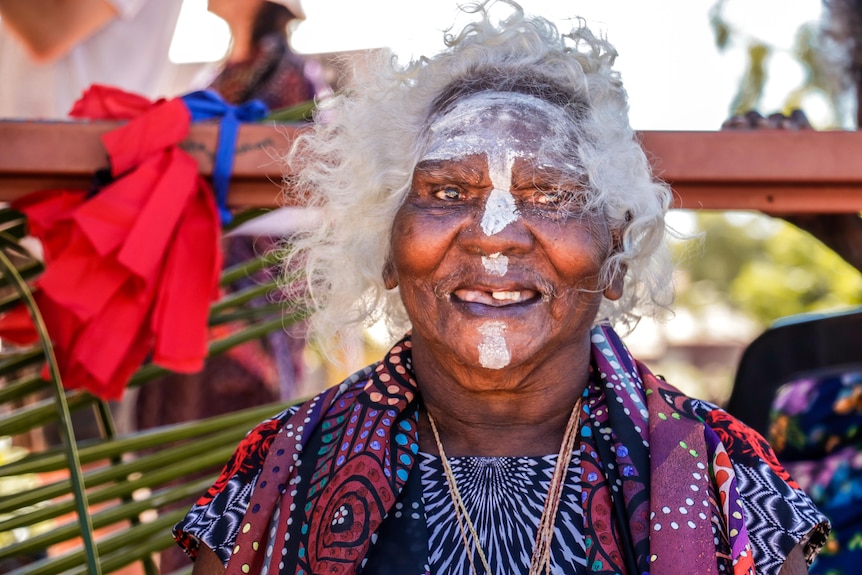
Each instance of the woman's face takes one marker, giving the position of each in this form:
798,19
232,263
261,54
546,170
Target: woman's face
497,261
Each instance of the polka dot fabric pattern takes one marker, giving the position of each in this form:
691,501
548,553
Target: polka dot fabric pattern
345,456
667,484
218,523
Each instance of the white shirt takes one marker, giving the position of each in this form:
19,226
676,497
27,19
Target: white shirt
130,52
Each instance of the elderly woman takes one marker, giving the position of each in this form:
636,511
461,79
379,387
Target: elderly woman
493,203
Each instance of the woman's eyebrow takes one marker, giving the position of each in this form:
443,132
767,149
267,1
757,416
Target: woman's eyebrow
545,177
450,170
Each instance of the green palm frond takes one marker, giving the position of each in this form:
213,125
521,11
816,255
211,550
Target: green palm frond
97,505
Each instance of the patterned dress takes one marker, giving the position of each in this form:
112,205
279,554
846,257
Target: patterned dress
504,497
816,431
275,75
661,483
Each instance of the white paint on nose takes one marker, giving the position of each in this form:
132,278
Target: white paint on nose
500,209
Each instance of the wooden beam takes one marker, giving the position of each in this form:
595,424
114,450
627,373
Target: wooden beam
777,172
47,155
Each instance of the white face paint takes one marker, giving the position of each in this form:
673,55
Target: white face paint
500,209
496,264
486,123
493,351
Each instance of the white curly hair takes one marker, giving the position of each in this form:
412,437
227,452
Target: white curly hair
356,164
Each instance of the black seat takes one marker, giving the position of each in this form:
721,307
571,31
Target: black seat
797,346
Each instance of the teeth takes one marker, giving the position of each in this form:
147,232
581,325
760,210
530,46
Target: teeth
506,295
495,298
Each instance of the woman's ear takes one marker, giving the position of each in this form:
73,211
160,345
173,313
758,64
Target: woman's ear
390,276
614,289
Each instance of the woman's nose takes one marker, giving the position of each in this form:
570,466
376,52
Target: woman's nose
502,232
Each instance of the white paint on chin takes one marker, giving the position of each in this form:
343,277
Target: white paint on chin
496,264
493,351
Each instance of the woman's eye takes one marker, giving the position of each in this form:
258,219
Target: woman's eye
448,194
551,197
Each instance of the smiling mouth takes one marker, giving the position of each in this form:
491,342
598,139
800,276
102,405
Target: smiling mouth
496,298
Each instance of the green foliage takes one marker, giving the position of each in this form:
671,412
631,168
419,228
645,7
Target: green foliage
720,27
297,113
751,87
121,491
764,268
808,50
749,93
795,274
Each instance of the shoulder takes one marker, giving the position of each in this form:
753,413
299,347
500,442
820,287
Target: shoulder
743,444
782,521
779,516
215,518
247,460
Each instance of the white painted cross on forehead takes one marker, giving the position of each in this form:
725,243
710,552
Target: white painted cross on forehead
483,123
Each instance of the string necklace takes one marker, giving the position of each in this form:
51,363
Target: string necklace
540,561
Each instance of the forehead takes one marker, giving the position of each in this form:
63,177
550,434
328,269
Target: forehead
488,122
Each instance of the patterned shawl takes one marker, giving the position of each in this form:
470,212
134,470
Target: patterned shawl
659,490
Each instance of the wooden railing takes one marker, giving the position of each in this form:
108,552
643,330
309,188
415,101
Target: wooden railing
777,172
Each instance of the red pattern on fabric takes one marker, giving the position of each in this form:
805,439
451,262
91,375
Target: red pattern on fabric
186,541
247,459
130,272
737,436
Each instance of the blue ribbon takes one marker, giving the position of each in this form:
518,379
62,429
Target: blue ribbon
206,105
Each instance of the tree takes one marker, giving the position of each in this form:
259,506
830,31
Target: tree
831,55
764,268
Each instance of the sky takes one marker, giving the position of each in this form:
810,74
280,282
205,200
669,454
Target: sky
675,76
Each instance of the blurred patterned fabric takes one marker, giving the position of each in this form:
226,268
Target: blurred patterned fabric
815,431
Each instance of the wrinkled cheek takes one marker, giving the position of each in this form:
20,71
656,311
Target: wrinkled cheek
419,246
420,303
584,269
583,300
409,263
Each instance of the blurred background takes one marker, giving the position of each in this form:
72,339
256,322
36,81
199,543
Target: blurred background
687,65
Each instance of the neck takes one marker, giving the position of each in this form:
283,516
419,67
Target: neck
512,412
241,48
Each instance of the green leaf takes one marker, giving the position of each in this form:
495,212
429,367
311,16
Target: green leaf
113,480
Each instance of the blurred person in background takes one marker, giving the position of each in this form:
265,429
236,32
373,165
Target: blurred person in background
260,63
51,51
